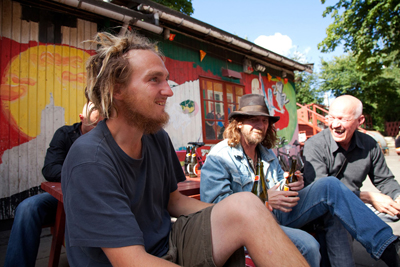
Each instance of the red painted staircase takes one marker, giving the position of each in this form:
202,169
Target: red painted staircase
311,119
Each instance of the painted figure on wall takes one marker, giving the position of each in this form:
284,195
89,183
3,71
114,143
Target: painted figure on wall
281,101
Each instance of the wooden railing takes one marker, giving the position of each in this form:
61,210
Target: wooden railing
308,115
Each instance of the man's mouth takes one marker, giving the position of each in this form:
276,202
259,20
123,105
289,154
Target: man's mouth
161,103
338,131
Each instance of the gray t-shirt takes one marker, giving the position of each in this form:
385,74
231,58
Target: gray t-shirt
324,157
113,200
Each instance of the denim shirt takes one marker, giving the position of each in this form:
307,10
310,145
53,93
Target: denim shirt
227,171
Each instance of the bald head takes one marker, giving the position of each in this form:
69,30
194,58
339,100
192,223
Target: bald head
349,104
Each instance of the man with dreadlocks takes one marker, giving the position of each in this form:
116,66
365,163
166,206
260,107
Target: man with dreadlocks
120,181
229,169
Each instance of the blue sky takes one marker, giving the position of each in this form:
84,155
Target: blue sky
283,26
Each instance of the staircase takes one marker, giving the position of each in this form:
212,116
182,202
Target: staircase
311,119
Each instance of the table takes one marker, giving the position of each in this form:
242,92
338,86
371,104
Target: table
190,187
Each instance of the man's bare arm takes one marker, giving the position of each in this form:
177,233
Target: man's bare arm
381,202
183,205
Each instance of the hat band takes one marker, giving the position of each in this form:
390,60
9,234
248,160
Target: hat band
257,108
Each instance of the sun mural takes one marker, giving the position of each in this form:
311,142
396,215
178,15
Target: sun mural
34,78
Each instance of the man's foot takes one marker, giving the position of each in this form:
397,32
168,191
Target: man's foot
391,255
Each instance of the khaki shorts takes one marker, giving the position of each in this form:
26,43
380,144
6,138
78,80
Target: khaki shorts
190,242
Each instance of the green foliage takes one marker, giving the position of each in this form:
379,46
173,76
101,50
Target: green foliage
184,6
306,85
369,29
379,94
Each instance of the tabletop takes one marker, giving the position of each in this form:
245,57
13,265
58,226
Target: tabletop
191,186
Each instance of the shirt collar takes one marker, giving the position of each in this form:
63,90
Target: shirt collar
355,141
265,153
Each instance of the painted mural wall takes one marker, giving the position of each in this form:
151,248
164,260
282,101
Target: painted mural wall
185,67
41,88
42,81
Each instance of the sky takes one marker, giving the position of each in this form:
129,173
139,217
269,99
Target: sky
282,26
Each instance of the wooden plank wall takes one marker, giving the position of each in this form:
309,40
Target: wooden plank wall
42,88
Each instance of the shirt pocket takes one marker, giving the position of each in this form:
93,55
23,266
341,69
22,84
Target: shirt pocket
241,181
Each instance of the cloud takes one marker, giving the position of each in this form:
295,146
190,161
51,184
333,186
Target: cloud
299,56
278,43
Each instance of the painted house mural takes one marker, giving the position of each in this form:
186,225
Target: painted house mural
42,82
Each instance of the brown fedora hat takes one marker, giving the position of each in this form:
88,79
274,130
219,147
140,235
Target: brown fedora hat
253,105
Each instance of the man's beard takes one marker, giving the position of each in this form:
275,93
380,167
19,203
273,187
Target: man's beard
251,140
139,117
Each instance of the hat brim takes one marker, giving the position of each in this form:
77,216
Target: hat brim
233,114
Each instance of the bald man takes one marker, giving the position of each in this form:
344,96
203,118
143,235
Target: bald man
343,152
350,155
36,211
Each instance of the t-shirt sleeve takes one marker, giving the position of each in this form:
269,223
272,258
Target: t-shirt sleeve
105,219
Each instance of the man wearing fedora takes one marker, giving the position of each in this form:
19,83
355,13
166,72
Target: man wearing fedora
230,168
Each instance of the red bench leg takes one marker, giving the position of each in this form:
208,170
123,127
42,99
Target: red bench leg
58,236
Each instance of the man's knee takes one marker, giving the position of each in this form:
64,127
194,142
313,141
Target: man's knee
243,205
32,205
329,181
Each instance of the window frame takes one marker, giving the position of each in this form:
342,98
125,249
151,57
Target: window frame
225,103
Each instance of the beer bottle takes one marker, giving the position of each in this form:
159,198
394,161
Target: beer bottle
187,159
286,185
259,186
193,162
256,185
292,177
264,193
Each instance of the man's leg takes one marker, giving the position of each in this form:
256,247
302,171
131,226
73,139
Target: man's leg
339,243
331,195
305,243
24,240
242,220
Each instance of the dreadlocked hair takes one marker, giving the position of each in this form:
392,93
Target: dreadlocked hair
110,67
232,133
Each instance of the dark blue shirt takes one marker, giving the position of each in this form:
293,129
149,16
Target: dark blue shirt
113,200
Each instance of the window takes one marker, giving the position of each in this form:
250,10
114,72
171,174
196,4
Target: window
218,100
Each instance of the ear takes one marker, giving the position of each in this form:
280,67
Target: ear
240,125
117,94
361,120
81,117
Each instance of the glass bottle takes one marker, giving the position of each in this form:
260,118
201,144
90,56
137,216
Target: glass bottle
187,159
292,177
259,186
193,163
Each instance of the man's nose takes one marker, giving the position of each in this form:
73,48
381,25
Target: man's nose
336,123
166,90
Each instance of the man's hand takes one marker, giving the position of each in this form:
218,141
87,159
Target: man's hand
381,202
282,200
297,186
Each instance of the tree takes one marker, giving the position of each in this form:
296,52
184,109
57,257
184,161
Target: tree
184,6
306,85
379,95
369,29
